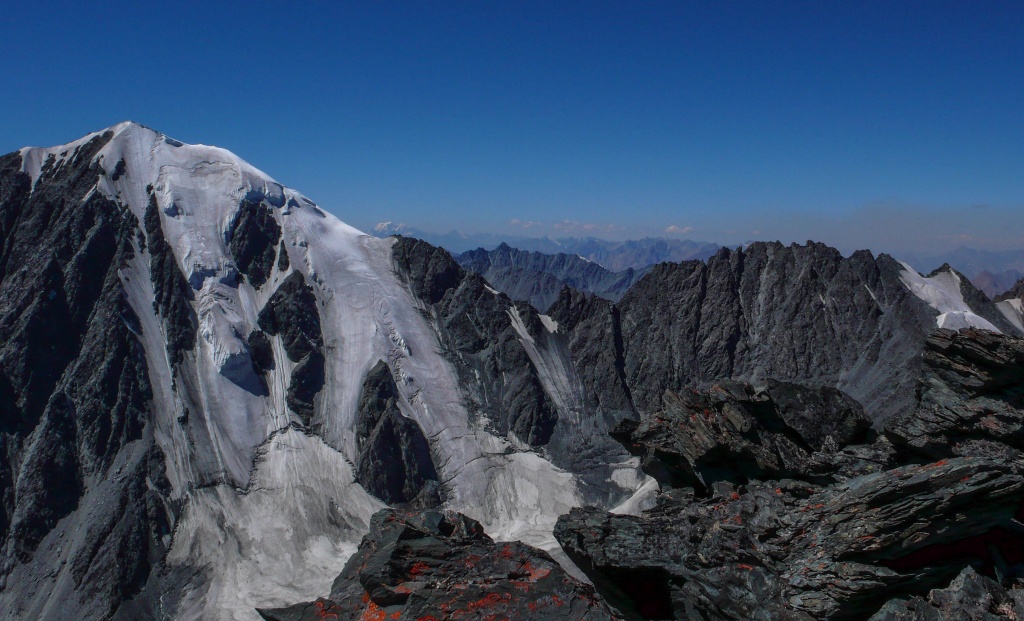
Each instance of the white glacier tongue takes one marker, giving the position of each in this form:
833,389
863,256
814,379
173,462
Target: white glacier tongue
270,512
942,292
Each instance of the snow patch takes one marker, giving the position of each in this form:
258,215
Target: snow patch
942,292
549,323
1013,310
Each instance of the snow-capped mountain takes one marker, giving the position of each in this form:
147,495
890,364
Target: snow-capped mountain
231,325
208,384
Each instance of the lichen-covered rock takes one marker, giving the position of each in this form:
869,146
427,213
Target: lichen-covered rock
394,463
842,529
435,565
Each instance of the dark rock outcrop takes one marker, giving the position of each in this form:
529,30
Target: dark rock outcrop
973,394
477,330
84,509
437,566
733,432
800,313
292,314
430,271
395,462
791,550
1014,292
798,526
593,329
171,290
253,241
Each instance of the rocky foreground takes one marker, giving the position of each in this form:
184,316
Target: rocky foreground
777,507
778,502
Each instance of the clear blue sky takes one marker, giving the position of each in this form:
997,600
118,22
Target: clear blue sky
881,124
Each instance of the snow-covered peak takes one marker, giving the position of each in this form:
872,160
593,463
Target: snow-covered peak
942,292
222,433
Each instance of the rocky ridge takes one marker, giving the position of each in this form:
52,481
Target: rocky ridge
939,491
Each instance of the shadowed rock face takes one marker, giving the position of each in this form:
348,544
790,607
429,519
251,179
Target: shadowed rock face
75,393
292,314
253,241
969,596
478,332
436,565
394,462
172,293
881,521
802,313
733,432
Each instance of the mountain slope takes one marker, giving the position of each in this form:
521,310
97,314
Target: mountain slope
188,362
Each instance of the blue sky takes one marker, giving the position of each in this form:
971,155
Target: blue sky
890,125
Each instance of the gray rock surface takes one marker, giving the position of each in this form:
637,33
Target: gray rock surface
394,461
969,596
84,511
802,313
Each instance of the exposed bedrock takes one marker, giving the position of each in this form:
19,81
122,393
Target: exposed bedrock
84,509
253,241
969,596
292,314
441,565
479,335
803,520
793,550
395,462
972,398
734,432
799,313
173,295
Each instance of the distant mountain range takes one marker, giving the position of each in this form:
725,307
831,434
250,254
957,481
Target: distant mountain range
538,278
612,255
